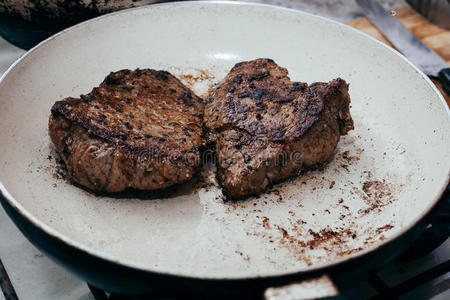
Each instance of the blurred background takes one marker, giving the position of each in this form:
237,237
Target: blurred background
24,23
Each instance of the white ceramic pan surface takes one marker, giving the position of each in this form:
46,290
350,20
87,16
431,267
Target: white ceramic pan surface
385,175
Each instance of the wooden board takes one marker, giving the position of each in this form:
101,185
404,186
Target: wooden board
435,37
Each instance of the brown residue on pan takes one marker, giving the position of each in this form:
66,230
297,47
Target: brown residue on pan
350,251
384,228
377,194
349,158
191,79
311,244
332,184
326,236
275,192
244,256
336,242
57,168
346,159
299,241
266,223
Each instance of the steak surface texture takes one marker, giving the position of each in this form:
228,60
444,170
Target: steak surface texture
139,129
267,128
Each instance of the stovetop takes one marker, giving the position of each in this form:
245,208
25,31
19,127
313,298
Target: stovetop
33,276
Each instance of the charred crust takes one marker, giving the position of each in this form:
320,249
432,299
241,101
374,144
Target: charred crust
283,99
244,95
238,79
259,76
298,86
258,62
277,133
238,64
116,78
257,95
127,125
163,75
303,104
125,131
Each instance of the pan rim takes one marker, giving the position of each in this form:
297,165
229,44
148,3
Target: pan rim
129,264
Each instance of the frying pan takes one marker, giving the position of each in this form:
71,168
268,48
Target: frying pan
370,202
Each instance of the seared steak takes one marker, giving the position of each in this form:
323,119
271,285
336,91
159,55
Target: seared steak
268,128
139,129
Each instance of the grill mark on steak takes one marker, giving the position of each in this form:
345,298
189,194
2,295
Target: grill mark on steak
288,117
258,75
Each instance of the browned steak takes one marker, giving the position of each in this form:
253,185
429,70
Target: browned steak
268,128
139,129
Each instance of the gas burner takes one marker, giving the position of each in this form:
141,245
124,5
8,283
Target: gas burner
378,282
